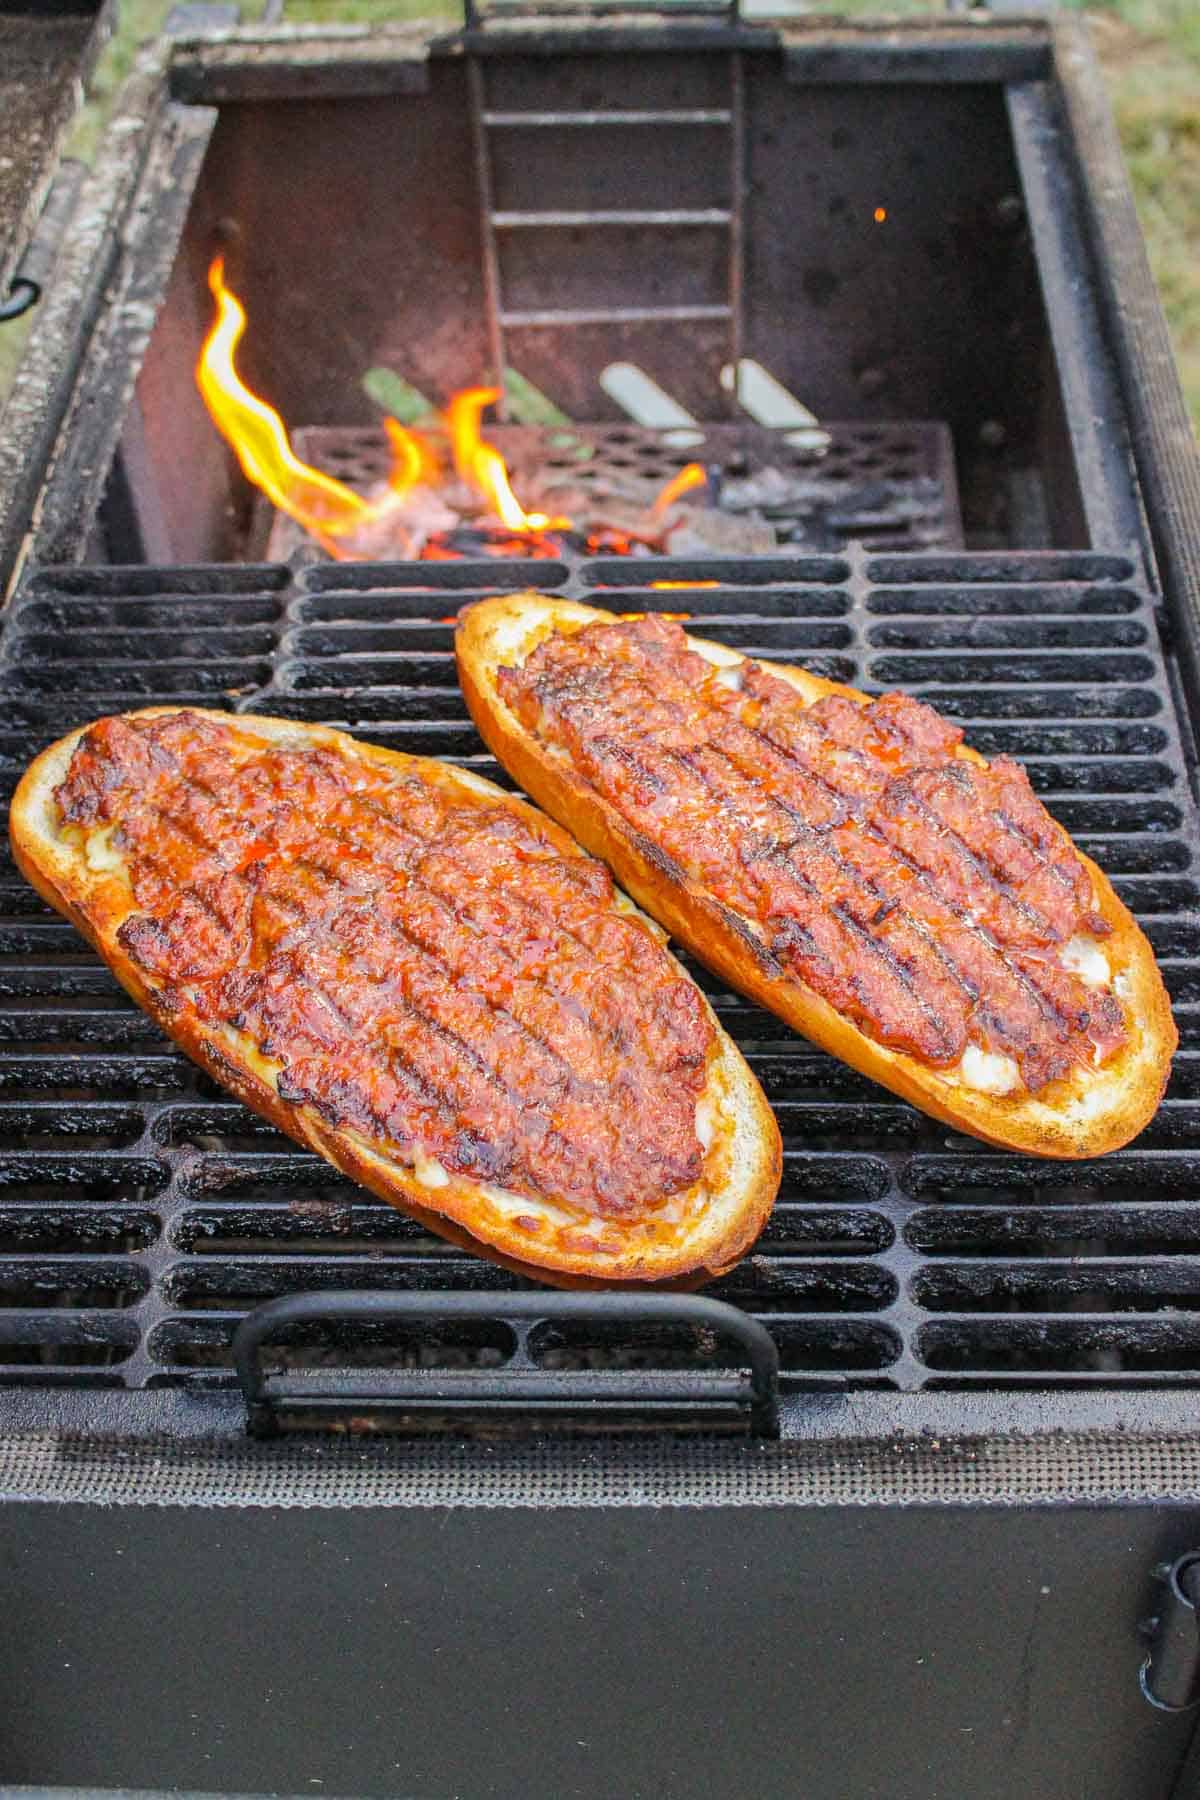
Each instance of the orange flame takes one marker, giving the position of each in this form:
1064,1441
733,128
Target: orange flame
689,477
335,514
413,459
324,506
684,584
482,465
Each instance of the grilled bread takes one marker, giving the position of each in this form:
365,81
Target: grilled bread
416,975
844,861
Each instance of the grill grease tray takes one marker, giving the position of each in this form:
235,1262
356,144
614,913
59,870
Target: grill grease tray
142,1212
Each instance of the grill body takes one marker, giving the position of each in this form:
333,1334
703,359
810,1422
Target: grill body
931,1581
426,1650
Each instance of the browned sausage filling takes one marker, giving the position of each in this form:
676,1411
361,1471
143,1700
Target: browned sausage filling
430,968
924,897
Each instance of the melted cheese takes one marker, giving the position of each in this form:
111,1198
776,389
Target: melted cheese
429,1171
1084,957
99,854
719,655
987,1072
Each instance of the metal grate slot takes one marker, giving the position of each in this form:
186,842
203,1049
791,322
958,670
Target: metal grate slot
185,1345
80,1232
78,1283
1026,633
980,609
355,1225
1070,1231
98,1127
142,1212
819,1231
966,704
128,684
221,1127
1105,1349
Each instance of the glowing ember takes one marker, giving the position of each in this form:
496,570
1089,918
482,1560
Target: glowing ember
674,617
684,584
409,516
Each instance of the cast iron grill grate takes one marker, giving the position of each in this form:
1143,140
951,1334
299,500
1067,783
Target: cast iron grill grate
142,1212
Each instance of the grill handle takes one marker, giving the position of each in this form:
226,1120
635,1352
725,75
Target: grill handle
521,1383
1170,1676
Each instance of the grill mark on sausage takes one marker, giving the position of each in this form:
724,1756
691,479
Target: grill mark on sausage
987,879
768,963
998,1035
631,702
537,908
332,877
564,1084
937,1042
941,1043
1046,1004
985,939
325,916
532,903
957,773
602,1032
658,858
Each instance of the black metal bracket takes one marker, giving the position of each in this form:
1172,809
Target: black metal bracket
22,294
1170,1675
29,279
521,1383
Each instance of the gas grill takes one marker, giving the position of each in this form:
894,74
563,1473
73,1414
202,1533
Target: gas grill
879,1512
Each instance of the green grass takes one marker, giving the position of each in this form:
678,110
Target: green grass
370,12
1173,22
138,22
1154,81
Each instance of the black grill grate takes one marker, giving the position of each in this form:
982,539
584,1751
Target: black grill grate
142,1212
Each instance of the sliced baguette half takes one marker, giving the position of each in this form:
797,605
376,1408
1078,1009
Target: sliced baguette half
1083,1115
713,1224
